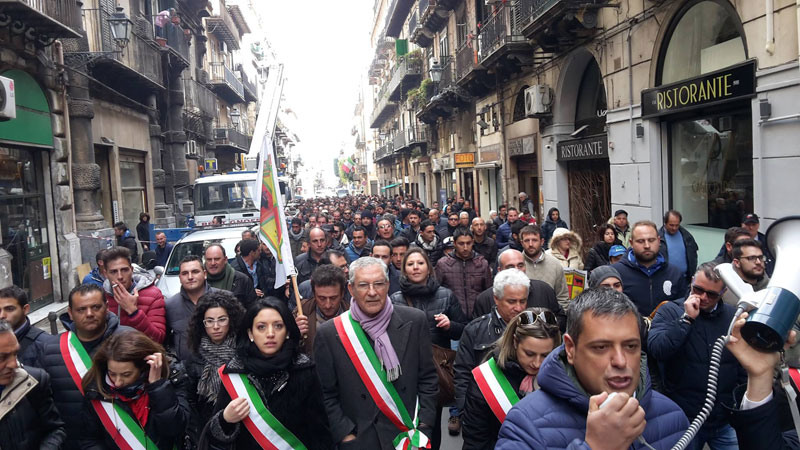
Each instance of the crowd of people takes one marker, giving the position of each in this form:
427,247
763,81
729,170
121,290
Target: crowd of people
402,313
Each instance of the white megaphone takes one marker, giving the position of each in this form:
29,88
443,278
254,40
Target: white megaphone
768,326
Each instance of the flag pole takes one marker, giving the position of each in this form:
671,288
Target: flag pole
297,294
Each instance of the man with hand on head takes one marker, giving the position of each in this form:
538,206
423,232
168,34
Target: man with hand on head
601,355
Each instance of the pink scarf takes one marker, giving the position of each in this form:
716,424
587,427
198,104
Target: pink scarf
375,327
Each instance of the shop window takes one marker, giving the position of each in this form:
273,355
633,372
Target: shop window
706,36
23,222
712,169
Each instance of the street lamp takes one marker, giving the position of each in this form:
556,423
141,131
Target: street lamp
435,71
235,115
121,27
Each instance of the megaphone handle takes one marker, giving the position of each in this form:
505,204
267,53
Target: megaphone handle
791,394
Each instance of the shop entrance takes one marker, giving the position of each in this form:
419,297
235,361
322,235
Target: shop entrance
589,197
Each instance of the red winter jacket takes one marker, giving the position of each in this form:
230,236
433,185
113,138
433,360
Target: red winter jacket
150,318
467,279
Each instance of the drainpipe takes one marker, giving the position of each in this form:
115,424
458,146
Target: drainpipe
798,33
770,44
630,92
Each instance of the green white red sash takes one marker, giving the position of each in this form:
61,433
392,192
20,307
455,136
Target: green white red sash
373,375
123,429
265,428
495,388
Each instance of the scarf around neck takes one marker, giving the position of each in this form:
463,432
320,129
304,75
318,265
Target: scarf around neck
214,355
135,396
223,280
259,365
376,327
428,246
417,290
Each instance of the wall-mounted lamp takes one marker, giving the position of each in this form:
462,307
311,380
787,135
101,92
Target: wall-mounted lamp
639,130
764,108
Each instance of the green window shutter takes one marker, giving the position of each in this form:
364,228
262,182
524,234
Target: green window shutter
401,46
33,124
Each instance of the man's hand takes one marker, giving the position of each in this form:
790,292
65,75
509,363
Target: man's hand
616,425
442,321
349,437
302,323
126,300
692,306
259,293
236,410
760,366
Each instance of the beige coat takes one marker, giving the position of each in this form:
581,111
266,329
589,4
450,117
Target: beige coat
574,261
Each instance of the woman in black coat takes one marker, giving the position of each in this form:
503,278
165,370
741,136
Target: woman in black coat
143,231
519,353
550,224
130,371
212,336
284,379
420,289
598,255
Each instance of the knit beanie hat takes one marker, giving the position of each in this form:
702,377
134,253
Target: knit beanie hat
601,273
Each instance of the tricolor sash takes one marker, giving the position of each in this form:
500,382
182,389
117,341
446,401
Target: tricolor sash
123,429
265,428
495,388
373,375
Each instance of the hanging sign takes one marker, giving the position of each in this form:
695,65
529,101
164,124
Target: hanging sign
465,160
592,147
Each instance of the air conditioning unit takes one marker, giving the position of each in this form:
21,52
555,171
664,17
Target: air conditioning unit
191,148
538,99
8,103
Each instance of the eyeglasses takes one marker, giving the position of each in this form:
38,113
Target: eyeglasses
378,285
529,318
697,290
754,258
452,219
383,227
209,323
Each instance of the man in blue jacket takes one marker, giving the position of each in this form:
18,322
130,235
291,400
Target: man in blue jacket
504,231
681,337
601,354
648,279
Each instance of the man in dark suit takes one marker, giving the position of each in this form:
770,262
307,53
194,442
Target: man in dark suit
405,352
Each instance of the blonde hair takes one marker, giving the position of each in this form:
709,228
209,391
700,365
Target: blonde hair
515,332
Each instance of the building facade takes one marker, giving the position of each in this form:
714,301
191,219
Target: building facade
596,106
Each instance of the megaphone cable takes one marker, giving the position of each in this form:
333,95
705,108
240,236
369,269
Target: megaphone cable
711,391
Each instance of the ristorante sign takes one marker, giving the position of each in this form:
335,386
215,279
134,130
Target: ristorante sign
592,147
712,88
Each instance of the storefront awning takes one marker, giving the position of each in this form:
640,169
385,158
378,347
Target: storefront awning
390,186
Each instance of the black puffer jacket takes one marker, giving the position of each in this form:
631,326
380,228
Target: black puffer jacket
598,255
30,420
31,342
433,300
202,409
480,425
477,340
68,398
294,397
166,421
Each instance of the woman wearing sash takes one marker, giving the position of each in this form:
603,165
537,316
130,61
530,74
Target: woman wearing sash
420,289
212,338
270,392
129,400
508,374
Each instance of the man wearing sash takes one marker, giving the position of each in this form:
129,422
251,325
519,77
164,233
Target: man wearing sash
376,368
88,323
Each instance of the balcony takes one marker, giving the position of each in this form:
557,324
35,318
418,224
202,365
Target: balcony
231,139
50,18
384,108
413,136
541,21
502,45
173,39
384,151
433,16
136,66
224,83
396,17
221,24
400,141
198,99
406,75
447,96
250,89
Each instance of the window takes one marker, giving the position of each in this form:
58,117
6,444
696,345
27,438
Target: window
223,198
706,36
519,105
591,108
132,181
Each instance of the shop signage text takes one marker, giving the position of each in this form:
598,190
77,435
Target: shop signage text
592,147
716,87
465,160
525,145
490,153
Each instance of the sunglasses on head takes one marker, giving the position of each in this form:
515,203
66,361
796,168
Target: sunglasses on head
529,318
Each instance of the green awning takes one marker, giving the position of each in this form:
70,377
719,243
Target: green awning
33,123
390,186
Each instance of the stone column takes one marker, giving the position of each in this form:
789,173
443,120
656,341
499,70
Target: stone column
163,216
175,138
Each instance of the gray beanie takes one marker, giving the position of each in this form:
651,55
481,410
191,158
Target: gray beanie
601,273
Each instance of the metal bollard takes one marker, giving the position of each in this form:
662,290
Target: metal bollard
52,317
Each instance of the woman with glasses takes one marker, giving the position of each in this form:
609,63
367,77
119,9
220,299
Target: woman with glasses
130,400
270,391
212,340
507,375
420,289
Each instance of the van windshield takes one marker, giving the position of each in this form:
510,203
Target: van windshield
216,198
